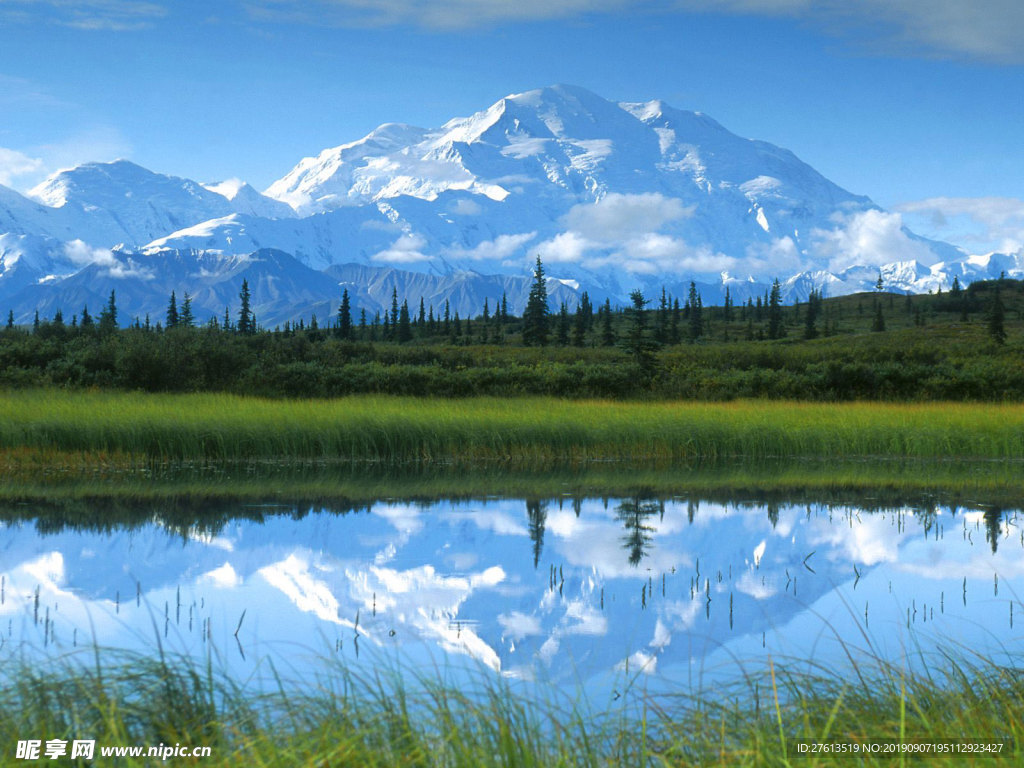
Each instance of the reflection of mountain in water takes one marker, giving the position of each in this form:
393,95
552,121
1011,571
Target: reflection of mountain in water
572,587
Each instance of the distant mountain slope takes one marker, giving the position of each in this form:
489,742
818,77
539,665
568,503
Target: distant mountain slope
611,196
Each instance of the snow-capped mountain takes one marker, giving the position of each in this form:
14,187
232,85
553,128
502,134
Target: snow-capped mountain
611,196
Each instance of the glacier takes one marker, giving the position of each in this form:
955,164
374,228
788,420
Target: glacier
612,196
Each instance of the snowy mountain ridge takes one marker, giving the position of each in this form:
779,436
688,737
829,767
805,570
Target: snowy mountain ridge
611,196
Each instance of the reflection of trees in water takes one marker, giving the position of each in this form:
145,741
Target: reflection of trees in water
634,514
537,514
993,526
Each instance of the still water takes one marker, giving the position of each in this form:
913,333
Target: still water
584,593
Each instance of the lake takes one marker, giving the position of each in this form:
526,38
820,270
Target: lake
588,594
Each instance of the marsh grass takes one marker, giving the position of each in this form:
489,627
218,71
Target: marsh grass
385,718
204,427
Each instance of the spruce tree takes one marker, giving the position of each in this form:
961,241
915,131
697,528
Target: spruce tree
607,331
775,329
563,325
185,318
878,323
636,342
108,317
171,321
696,313
246,321
404,326
10,319
535,317
345,317
810,320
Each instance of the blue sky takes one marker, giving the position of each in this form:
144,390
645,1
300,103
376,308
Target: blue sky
918,104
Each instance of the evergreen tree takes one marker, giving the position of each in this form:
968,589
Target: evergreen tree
35,322
878,323
362,324
246,319
579,326
58,318
446,326
185,318
535,317
563,325
636,342
696,323
775,329
674,334
813,309
404,326
394,312
727,306
108,317
485,322
86,317
10,319
345,316
662,318
607,331
171,321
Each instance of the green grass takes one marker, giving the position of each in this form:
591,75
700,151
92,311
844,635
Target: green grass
344,719
530,430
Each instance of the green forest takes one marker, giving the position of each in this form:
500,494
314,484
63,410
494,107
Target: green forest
962,344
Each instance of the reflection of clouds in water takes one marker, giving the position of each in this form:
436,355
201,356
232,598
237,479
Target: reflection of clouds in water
427,603
496,521
293,578
516,625
759,587
596,544
640,661
224,577
873,540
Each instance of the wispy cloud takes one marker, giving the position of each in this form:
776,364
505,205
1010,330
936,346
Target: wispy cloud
976,29
90,15
14,164
867,238
978,224
432,14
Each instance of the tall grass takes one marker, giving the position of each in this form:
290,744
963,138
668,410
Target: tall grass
393,429
345,719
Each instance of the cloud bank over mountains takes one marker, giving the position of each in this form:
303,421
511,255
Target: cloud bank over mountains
612,197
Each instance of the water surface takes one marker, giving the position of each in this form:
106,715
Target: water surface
582,592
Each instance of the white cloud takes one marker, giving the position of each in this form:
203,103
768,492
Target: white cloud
867,238
407,249
624,231
437,14
89,15
780,256
466,207
978,224
498,249
81,254
14,164
976,29
564,248
617,217
981,29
